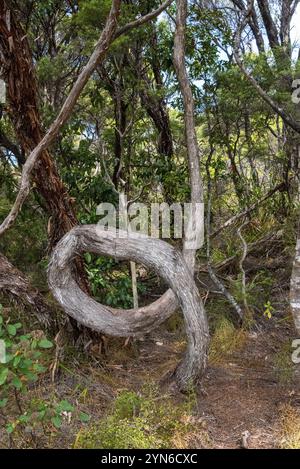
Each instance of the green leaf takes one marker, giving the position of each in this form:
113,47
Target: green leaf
84,417
39,368
42,414
9,357
11,329
31,377
45,343
65,406
24,338
3,403
17,383
17,361
57,421
34,344
88,257
24,418
3,376
26,363
10,428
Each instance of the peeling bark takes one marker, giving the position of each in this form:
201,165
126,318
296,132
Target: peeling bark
22,95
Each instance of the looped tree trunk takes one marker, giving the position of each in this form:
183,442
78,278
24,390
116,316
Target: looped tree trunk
155,254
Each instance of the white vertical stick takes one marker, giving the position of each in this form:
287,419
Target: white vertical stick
2,92
134,285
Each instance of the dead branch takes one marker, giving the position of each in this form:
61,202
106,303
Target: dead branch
210,268
269,238
143,19
242,260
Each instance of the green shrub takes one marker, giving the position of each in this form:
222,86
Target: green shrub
144,422
26,359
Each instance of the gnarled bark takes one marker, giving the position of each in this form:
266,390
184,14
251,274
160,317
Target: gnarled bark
14,283
158,255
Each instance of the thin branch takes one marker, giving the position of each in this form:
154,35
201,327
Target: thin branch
242,260
142,20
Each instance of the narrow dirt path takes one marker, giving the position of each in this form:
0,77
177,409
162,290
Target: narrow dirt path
240,399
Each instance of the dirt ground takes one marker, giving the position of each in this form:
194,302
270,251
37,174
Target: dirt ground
241,399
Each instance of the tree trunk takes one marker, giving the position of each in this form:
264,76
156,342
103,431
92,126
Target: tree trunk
295,288
157,111
14,283
155,254
16,62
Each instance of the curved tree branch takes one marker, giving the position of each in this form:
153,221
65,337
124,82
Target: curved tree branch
142,20
158,255
176,270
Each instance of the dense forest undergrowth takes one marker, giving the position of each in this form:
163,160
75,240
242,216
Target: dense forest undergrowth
118,394
189,341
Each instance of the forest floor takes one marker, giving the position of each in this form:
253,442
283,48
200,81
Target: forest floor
250,396
243,400
247,398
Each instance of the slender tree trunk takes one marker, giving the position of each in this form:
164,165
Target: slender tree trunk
195,178
121,122
197,194
295,288
157,111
